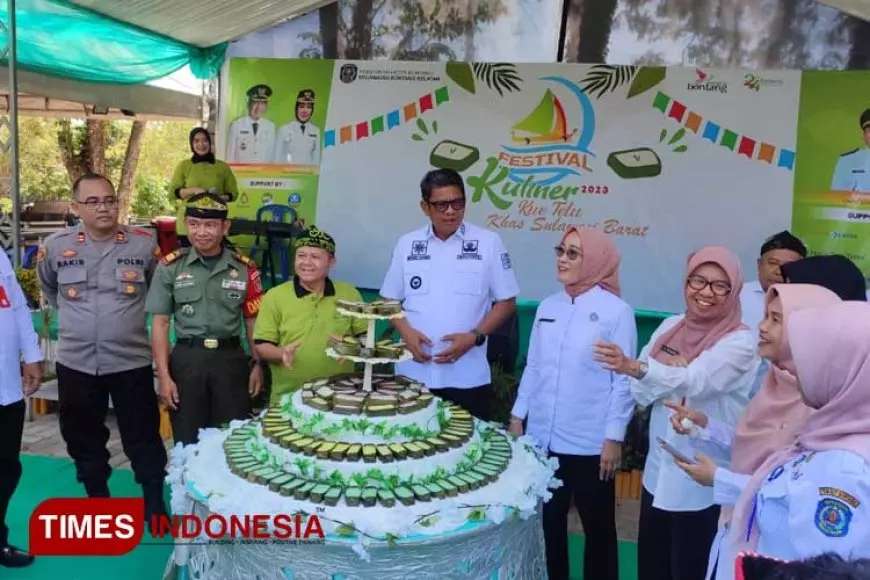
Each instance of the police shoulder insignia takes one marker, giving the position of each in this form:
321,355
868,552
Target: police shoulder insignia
169,258
157,253
40,254
849,152
833,517
244,259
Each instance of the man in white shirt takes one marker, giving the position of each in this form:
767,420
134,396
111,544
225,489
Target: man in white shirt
458,285
298,141
251,138
18,342
778,249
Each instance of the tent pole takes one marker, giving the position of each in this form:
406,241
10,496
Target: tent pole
13,136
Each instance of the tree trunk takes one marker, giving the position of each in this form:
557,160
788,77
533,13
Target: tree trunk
359,46
71,158
95,151
128,169
470,30
859,52
596,21
329,30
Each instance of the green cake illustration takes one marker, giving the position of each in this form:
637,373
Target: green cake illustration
635,163
452,155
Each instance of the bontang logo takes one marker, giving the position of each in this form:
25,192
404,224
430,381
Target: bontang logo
707,83
545,148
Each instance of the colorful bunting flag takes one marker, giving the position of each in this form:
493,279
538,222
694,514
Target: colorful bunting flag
713,132
395,118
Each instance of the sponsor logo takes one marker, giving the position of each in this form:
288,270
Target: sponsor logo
842,236
705,82
755,82
349,73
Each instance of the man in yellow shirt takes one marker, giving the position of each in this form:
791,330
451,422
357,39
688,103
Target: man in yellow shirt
297,318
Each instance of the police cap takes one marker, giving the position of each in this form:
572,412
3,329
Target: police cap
206,206
259,94
305,96
865,119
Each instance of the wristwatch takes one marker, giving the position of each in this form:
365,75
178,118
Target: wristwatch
479,337
642,369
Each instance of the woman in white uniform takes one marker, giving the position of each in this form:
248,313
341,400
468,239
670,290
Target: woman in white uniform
770,420
812,496
575,409
705,358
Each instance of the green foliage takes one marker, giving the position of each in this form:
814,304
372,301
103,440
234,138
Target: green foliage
151,198
5,205
504,394
29,283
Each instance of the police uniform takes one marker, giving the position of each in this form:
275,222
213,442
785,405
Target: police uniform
815,503
207,297
448,287
852,172
298,142
252,140
98,289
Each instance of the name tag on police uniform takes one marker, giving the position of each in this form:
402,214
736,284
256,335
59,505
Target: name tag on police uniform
233,284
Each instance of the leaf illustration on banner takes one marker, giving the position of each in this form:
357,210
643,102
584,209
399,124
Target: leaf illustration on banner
422,126
461,74
501,76
424,130
681,149
645,79
605,78
434,126
662,135
677,136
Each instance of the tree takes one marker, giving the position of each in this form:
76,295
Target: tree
588,31
84,148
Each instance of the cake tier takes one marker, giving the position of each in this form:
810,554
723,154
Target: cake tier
496,477
358,428
344,395
354,348
382,309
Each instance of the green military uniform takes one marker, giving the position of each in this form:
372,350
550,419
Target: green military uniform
207,298
289,313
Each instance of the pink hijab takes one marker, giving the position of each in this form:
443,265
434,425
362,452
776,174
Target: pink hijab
695,333
831,349
600,262
774,414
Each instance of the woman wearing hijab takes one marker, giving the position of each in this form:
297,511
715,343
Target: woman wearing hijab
835,272
770,420
812,495
704,358
575,409
200,174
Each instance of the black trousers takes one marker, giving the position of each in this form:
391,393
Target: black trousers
476,401
83,402
596,504
11,429
212,389
674,545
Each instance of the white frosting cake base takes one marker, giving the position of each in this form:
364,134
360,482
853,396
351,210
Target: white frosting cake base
203,468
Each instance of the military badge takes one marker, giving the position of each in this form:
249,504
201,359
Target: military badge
72,293
129,289
80,238
120,237
69,253
234,274
187,310
833,517
130,275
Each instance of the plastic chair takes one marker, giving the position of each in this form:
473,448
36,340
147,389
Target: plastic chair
280,214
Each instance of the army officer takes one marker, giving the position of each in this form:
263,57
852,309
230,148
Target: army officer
853,168
298,141
252,137
207,288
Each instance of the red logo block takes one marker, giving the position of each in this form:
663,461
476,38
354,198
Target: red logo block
87,527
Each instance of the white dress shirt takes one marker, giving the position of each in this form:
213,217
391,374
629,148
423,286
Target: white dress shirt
18,340
448,286
752,303
251,140
573,404
298,144
813,504
717,383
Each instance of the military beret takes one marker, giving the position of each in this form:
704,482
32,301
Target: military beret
259,93
206,206
865,119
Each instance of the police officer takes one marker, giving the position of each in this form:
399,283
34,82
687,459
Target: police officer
298,141
96,276
853,168
207,380
449,273
252,137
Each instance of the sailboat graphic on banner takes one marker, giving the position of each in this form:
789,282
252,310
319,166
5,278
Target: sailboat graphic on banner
546,124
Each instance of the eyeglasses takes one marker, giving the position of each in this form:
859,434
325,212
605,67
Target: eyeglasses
718,287
93,203
457,204
570,252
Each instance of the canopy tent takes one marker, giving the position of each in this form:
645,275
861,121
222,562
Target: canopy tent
857,8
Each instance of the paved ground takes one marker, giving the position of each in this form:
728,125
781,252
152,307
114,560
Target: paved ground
42,437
